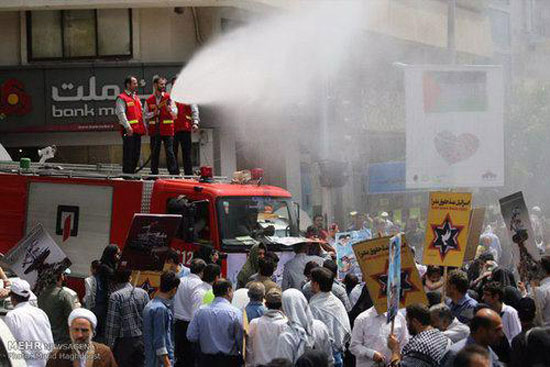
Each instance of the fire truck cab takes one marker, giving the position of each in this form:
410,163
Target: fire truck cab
84,211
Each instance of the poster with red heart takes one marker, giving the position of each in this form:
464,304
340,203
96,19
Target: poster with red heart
455,133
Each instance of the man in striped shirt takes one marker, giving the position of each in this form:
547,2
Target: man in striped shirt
124,325
461,304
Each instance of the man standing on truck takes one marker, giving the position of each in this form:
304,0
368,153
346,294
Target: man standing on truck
160,112
186,123
129,113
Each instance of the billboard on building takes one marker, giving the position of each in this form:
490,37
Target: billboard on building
69,97
454,126
387,177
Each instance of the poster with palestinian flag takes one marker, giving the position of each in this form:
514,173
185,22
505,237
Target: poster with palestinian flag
373,257
447,228
454,126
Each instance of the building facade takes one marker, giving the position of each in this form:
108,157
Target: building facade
64,62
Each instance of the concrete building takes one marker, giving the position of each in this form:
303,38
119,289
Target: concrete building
54,49
64,57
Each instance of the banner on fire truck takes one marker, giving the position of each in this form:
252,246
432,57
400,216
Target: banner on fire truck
148,241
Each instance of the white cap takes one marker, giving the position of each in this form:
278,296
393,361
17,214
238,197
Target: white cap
21,287
384,215
82,313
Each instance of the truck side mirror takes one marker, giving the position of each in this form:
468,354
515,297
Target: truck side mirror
269,231
297,207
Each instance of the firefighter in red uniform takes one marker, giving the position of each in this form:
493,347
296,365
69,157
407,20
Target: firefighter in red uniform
128,111
186,123
160,112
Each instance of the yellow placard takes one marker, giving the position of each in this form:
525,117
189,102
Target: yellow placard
148,280
373,258
447,228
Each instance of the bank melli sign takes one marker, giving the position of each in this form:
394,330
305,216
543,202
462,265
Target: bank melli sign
72,98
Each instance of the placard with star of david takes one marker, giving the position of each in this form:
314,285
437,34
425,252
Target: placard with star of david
446,237
407,284
447,228
373,258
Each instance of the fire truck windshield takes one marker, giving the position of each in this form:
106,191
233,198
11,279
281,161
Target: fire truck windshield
247,216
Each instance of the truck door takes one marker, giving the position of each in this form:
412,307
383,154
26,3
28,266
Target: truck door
77,216
190,241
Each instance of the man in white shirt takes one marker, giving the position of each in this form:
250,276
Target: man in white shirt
442,318
263,332
542,293
369,337
29,324
327,308
211,273
293,273
185,305
493,295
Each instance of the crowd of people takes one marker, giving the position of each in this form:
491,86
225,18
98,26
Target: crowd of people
478,315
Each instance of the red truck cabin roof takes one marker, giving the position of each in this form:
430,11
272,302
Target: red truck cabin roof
217,189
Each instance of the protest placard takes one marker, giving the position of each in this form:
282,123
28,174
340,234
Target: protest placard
373,258
37,259
477,218
345,258
516,216
148,241
447,228
394,277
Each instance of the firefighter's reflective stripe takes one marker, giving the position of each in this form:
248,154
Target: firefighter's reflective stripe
168,121
131,122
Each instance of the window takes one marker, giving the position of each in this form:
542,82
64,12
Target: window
241,218
77,34
500,28
195,224
541,18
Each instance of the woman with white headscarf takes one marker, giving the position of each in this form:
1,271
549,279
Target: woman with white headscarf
491,243
304,333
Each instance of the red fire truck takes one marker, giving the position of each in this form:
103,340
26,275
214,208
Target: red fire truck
99,204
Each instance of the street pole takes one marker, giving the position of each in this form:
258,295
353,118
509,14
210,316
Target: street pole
326,200
451,23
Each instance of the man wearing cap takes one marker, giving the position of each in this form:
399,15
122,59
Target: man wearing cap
263,332
81,351
29,326
57,302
